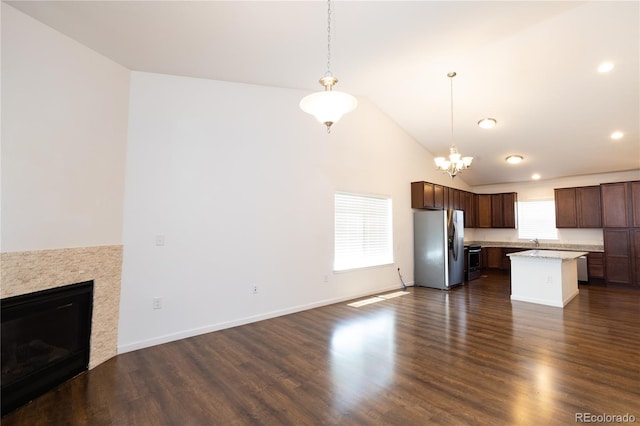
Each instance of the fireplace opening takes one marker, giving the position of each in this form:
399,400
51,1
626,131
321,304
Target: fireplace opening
45,341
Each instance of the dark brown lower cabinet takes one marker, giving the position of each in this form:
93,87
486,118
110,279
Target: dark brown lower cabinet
494,257
595,265
620,261
506,260
635,239
497,258
621,220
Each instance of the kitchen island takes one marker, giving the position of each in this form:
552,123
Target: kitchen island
547,277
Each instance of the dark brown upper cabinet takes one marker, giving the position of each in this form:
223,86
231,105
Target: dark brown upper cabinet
425,195
438,196
589,207
484,211
471,210
422,195
478,209
497,211
502,208
505,216
462,205
578,207
615,205
509,209
565,200
454,199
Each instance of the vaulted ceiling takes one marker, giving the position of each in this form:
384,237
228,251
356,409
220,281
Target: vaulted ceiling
530,65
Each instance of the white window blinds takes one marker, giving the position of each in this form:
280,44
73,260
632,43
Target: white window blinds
363,231
537,219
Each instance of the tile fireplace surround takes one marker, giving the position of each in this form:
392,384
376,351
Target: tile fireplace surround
29,271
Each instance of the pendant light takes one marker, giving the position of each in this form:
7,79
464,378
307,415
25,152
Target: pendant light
329,105
456,163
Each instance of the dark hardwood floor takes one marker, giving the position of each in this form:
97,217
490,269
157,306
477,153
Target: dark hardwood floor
467,356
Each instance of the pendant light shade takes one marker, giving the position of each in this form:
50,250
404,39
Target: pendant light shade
330,105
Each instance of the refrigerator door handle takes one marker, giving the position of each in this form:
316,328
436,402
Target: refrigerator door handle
452,242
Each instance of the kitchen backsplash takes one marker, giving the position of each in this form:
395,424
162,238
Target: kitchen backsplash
566,237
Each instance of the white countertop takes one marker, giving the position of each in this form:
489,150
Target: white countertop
549,254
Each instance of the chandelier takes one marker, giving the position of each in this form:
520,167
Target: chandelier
328,106
456,162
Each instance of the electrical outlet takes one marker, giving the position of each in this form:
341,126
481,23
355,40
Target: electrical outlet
326,278
254,289
157,303
159,240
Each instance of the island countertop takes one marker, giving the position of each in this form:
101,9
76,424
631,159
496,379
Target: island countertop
549,254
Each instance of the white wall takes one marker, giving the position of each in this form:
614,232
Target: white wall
236,178
240,182
64,134
543,190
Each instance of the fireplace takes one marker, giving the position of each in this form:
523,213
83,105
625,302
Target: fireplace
45,341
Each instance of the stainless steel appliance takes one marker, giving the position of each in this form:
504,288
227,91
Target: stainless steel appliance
473,262
583,274
438,247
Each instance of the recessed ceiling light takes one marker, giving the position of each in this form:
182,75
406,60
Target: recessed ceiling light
514,159
605,67
617,135
487,123
535,176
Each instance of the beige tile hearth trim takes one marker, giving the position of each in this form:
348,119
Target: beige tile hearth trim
29,271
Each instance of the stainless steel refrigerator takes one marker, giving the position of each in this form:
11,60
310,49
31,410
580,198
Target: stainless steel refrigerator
438,247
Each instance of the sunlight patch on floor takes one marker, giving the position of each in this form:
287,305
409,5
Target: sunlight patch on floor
376,299
392,295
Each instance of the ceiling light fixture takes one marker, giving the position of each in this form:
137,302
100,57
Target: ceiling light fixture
487,123
617,135
456,163
605,67
535,176
329,105
514,159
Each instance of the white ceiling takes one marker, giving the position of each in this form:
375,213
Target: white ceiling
530,65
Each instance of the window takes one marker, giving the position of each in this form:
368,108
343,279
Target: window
537,219
363,231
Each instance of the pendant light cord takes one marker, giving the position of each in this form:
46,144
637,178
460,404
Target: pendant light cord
326,106
456,162
328,38
451,75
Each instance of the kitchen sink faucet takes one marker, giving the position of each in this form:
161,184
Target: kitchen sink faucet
535,240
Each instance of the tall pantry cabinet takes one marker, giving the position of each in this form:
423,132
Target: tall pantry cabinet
621,223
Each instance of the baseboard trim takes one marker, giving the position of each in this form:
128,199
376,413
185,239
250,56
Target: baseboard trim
184,334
